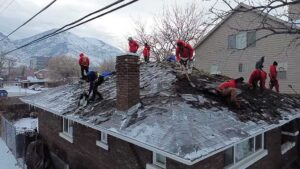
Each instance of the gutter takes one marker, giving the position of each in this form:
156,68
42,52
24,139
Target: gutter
154,149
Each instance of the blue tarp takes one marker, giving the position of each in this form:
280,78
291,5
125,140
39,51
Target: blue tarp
171,58
106,74
3,93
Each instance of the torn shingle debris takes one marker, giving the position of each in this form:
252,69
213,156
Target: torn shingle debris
172,116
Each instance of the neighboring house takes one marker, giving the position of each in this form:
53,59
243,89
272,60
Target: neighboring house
42,74
151,118
233,53
39,62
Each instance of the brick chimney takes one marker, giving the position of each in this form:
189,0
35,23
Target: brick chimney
294,12
128,81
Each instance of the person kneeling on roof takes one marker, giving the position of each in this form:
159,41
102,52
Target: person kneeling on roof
95,80
258,75
229,89
184,53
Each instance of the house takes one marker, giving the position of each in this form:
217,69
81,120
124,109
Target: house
152,118
229,51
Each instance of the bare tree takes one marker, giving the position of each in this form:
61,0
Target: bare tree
184,23
63,67
2,63
286,12
108,65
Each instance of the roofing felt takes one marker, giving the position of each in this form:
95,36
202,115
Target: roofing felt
172,117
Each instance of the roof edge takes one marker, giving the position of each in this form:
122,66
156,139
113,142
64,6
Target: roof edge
154,149
231,13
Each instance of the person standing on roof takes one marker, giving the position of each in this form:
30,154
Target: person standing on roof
229,89
258,75
95,80
184,53
260,63
84,63
133,45
273,77
146,52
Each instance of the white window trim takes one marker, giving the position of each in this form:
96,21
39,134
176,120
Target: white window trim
63,128
290,134
251,159
287,146
66,137
103,143
152,166
156,163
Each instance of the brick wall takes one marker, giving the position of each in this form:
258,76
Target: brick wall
84,153
128,81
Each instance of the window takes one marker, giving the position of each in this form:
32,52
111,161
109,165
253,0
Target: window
240,67
214,70
245,153
68,127
159,160
67,130
282,70
102,142
289,136
228,156
242,40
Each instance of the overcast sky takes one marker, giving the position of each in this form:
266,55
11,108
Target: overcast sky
112,28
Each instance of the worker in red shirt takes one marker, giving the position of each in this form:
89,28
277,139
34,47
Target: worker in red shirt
133,45
146,52
229,89
84,63
258,75
273,77
184,53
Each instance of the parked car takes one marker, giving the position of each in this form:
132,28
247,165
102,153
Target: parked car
3,93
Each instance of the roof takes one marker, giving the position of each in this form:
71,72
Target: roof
242,5
183,123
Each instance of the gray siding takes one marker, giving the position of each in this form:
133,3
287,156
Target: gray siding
214,51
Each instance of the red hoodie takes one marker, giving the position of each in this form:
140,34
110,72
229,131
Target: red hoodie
187,51
228,84
133,46
273,72
146,52
84,60
258,75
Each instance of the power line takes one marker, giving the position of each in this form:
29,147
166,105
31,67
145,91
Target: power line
2,4
7,6
46,7
61,30
70,24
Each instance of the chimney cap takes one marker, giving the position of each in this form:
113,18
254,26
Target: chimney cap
128,54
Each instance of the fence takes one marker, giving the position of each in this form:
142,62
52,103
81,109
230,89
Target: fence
15,142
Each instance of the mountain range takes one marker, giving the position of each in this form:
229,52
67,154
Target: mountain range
66,43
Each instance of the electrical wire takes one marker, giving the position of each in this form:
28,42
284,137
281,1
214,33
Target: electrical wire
46,7
7,6
61,30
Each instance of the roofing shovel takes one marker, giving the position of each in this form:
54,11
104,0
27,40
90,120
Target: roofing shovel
187,76
290,86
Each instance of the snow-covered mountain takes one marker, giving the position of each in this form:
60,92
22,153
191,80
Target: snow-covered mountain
6,45
62,44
